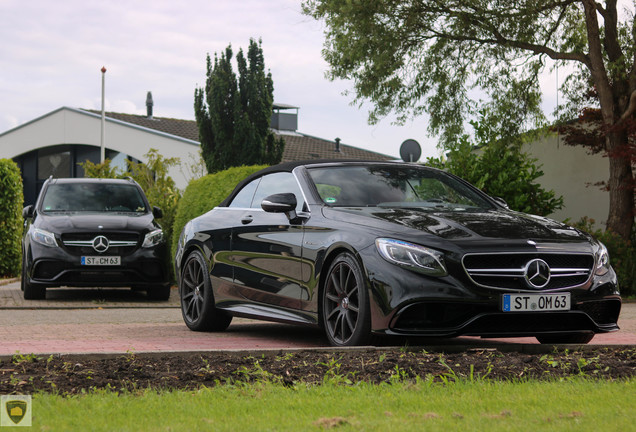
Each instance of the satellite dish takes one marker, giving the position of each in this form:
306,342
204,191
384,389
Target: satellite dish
410,151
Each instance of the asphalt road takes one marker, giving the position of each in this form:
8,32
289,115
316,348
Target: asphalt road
121,320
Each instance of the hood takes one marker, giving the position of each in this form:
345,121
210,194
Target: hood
91,222
459,225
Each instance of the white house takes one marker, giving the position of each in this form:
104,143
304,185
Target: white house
572,173
55,143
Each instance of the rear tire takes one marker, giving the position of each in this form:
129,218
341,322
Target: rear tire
345,314
566,338
197,298
161,292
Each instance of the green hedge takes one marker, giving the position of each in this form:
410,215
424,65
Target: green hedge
11,202
205,193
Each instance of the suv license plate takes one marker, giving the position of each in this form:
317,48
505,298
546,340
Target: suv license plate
101,260
535,302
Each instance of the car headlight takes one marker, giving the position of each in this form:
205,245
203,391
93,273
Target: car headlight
153,238
602,260
43,237
411,256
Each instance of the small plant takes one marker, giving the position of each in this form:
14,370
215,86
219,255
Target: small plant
256,374
24,358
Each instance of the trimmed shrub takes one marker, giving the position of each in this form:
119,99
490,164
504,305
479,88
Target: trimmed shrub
622,254
205,193
11,202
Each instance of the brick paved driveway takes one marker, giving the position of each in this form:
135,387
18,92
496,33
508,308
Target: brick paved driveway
121,320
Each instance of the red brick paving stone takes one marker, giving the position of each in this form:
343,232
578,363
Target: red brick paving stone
118,337
122,338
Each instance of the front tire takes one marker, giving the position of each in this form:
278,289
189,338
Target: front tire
30,292
566,338
345,303
197,299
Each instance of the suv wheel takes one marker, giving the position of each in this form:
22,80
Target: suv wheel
31,292
161,292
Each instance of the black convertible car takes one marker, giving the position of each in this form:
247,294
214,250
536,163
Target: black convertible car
364,248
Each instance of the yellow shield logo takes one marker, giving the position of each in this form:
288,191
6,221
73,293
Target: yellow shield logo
16,409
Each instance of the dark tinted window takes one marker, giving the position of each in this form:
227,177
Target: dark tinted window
244,198
394,186
93,197
255,191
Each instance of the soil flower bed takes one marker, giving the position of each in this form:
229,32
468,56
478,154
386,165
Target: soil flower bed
26,374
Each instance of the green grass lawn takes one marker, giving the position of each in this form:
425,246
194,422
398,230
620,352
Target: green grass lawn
482,405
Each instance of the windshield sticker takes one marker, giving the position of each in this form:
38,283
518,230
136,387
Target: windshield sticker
330,200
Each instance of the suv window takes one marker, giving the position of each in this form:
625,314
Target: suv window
93,197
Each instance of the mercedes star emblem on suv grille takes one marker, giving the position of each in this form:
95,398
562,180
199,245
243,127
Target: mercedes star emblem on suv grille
100,244
537,273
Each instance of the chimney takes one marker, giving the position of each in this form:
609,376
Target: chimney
149,104
337,150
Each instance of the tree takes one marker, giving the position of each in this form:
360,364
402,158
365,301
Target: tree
430,56
233,114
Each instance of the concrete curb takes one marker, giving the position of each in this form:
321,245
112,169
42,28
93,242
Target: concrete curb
274,352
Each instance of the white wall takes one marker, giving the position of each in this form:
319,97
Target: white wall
572,172
69,126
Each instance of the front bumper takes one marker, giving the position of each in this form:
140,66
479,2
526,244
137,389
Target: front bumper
52,267
406,303
456,319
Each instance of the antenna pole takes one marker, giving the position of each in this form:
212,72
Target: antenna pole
102,152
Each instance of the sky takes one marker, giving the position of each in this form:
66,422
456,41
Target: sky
52,53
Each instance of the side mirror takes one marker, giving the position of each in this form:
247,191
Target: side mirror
27,212
502,202
281,203
157,212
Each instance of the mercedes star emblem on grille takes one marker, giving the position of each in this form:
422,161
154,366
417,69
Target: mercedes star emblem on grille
100,244
537,273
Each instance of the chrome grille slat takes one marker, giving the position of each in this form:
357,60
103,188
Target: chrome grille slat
85,243
507,271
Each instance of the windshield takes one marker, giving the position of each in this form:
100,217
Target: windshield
93,198
394,186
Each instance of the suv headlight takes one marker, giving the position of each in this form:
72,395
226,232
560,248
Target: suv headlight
43,237
153,238
411,256
602,260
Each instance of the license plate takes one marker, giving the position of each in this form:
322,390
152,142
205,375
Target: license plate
535,302
101,260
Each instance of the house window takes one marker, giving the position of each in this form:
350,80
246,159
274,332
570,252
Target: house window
54,162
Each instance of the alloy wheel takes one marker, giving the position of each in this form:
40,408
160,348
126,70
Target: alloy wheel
342,303
193,290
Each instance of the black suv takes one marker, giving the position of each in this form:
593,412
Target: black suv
85,232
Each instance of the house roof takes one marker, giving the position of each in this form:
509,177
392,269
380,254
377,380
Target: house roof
298,146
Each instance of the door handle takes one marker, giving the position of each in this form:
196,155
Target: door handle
247,219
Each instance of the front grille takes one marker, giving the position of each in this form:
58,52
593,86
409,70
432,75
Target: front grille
82,243
507,271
